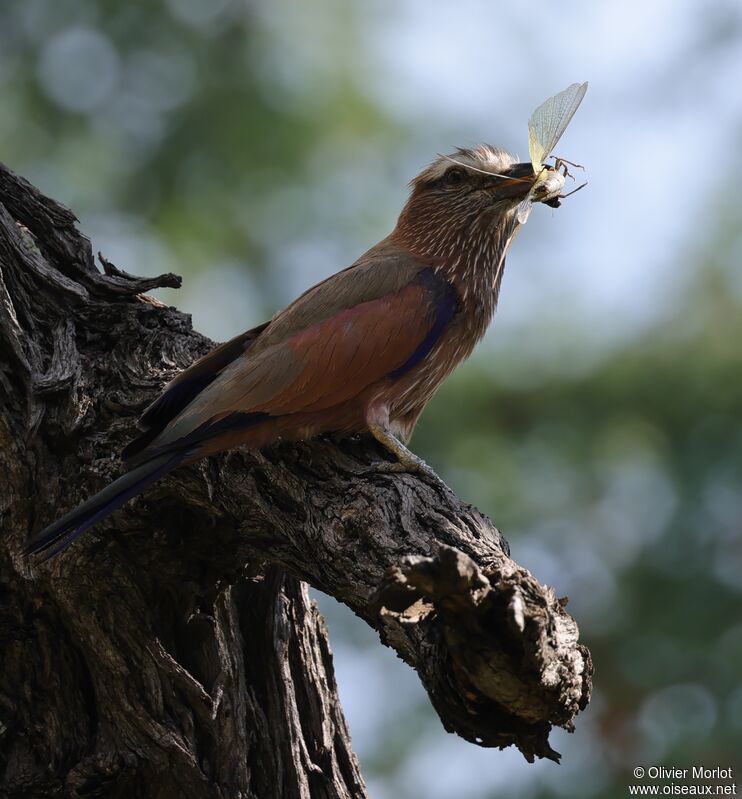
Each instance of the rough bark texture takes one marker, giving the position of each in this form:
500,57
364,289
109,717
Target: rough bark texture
174,651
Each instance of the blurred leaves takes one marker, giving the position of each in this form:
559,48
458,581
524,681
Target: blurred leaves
192,134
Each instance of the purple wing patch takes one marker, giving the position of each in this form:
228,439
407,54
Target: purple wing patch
445,304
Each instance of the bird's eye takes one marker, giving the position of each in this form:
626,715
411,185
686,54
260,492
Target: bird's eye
455,176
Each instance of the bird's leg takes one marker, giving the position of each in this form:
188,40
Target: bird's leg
406,461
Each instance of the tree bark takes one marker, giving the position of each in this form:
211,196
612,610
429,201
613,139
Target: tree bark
174,651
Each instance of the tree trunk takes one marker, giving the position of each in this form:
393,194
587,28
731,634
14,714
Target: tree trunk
173,651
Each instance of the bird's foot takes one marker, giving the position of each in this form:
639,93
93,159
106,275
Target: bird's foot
406,461
408,465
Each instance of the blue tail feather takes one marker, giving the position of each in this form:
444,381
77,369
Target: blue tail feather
64,531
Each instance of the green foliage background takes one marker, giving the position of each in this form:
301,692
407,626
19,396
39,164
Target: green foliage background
255,147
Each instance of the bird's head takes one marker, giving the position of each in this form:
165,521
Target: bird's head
467,202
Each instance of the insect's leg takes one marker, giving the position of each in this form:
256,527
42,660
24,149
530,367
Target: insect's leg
570,193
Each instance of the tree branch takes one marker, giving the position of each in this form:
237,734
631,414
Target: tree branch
164,635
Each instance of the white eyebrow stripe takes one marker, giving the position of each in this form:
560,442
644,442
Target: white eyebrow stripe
482,171
485,158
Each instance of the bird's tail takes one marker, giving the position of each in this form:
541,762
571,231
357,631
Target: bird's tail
64,531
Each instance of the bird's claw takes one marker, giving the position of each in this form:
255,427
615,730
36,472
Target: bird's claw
403,465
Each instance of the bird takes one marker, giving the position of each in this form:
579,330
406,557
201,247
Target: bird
363,351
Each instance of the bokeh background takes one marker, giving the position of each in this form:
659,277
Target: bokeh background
257,146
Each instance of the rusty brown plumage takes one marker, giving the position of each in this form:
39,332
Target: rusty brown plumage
364,350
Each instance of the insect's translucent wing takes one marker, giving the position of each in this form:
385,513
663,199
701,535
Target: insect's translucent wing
523,210
549,121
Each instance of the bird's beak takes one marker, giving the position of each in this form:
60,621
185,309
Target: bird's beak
514,182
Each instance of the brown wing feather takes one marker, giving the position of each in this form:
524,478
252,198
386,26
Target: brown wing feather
343,355
318,367
180,391
382,270
337,338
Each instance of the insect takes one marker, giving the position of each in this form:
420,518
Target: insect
545,127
